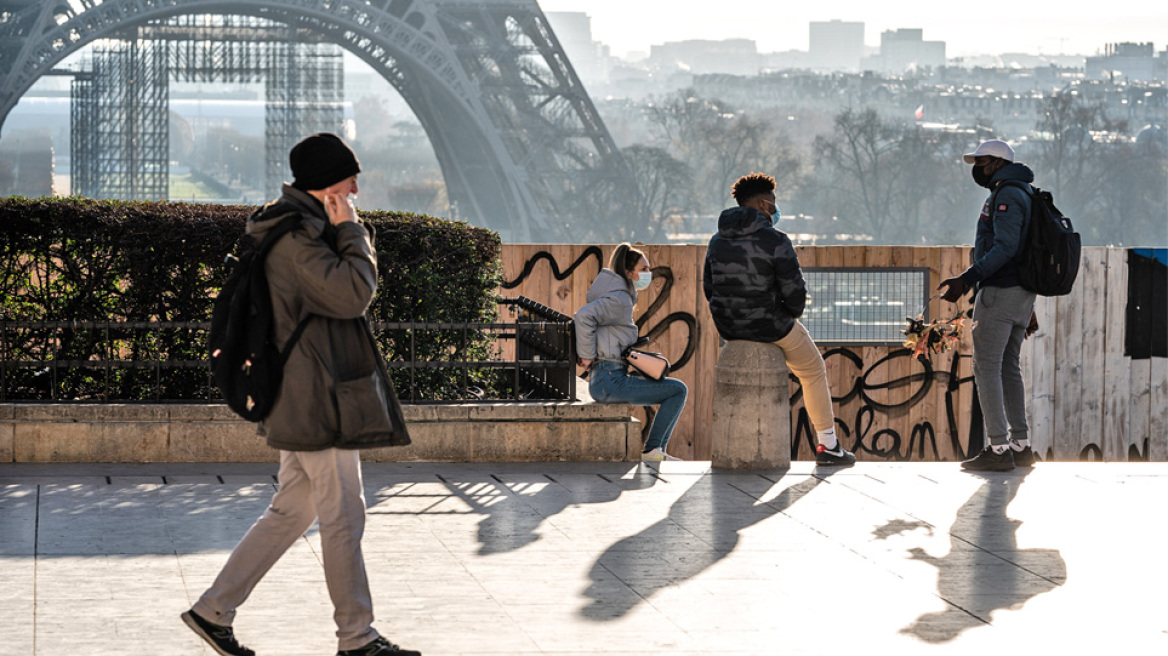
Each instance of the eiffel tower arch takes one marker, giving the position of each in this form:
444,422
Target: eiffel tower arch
521,145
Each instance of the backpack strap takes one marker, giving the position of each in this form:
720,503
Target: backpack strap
1032,193
286,224
287,350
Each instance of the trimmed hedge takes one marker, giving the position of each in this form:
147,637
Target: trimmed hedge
77,259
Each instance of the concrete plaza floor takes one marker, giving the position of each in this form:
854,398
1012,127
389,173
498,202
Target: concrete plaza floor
572,558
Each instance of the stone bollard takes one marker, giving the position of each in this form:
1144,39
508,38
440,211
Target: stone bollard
752,407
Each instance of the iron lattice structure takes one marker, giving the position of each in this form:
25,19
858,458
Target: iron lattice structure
521,145
120,117
120,110
305,92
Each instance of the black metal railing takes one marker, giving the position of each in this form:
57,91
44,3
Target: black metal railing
529,359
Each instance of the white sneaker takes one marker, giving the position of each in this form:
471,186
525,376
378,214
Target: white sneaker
657,455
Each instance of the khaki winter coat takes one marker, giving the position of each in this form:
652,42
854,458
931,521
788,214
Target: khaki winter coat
335,392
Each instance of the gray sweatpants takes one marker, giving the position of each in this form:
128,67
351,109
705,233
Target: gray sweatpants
1000,318
313,484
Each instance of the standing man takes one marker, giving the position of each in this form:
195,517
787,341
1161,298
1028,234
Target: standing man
756,293
1003,312
335,399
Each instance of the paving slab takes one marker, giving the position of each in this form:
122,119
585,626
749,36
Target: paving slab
607,559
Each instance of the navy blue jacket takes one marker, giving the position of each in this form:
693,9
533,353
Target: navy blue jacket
752,279
1000,230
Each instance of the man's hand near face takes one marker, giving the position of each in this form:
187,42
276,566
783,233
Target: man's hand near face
339,209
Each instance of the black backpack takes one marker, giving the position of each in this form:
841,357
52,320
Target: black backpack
245,362
1048,255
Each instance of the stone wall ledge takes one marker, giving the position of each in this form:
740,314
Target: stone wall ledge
211,432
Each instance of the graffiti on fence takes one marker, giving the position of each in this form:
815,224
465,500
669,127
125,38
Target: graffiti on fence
655,330
859,432
529,265
663,273
685,318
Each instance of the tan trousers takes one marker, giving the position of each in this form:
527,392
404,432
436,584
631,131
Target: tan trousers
805,361
324,485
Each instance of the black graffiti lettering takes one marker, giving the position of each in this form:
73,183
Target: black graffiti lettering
923,380
921,434
886,443
864,420
856,361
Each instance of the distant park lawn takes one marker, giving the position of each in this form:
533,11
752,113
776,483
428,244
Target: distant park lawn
185,187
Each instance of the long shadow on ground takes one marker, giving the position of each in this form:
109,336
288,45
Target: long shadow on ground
984,570
703,527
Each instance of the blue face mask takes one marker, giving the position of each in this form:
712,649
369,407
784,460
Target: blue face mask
777,215
643,280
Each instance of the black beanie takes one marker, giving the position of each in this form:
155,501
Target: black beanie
322,160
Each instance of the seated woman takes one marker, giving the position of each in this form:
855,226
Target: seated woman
605,328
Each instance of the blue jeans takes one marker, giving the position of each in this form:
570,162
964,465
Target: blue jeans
1000,316
610,382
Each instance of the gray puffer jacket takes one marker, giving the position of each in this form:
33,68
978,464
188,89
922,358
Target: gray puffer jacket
604,326
334,393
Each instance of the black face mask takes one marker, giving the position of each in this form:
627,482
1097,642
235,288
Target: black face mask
981,177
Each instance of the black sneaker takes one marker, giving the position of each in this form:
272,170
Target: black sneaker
988,460
834,457
379,647
1024,457
221,638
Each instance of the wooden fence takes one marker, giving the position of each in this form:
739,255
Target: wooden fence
1088,400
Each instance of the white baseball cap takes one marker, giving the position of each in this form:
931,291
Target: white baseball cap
991,148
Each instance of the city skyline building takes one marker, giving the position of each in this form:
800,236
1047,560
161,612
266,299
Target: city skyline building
905,49
835,45
1126,61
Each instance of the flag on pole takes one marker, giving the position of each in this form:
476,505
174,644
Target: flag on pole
920,113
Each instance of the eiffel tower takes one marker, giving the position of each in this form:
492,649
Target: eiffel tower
521,145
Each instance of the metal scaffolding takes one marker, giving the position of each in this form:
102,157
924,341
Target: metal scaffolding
523,149
83,134
305,92
120,120
120,106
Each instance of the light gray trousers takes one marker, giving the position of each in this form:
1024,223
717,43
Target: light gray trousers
324,485
1000,316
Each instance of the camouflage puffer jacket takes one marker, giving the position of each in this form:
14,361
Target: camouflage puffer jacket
752,278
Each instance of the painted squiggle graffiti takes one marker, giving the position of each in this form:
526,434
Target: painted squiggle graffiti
694,332
529,266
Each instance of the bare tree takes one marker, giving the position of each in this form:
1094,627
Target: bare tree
665,185
1133,193
860,172
894,181
719,144
1111,184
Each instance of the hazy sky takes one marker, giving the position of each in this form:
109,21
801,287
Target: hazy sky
1033,26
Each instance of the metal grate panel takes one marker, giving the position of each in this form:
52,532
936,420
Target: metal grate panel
863,306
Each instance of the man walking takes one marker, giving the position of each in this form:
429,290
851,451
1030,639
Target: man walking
335,399
1003,312
756,293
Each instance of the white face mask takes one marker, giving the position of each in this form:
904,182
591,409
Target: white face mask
643,280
